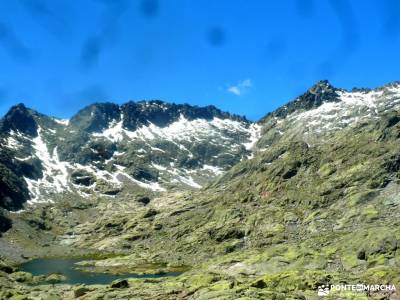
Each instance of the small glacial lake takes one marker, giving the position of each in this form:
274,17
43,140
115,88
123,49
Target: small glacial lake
67,267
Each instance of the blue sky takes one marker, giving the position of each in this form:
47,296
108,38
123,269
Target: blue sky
247,57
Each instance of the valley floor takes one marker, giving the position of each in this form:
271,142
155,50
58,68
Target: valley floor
129,236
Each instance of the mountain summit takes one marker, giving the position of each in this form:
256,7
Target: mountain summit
19,118
319,93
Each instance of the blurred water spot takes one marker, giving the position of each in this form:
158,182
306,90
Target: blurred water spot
216,36
149,8
46,16
348,23
95,44
91,51
350,37
275,48
11,43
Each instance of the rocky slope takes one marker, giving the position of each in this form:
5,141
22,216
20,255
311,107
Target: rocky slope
317,203
324,110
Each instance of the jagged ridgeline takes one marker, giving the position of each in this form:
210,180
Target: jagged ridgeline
105,147
308,195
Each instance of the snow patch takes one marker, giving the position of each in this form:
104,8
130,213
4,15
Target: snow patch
55,172
182,130
188,180
213,169
24,159
154,186
114,133
158,167
255,132
12,143
64,122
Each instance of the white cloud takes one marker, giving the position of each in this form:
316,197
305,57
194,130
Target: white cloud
234,90
240,88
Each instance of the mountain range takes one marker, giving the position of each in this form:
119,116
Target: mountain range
274,209
105,147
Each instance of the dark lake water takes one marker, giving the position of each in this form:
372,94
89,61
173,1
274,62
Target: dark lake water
67,268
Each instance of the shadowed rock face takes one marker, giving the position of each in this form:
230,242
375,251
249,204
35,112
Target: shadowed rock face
5,223
13,189
19,119
96,117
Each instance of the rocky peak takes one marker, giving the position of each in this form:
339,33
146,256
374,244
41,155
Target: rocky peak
140,113
322,87
96,117
391,85
319,93
19,118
